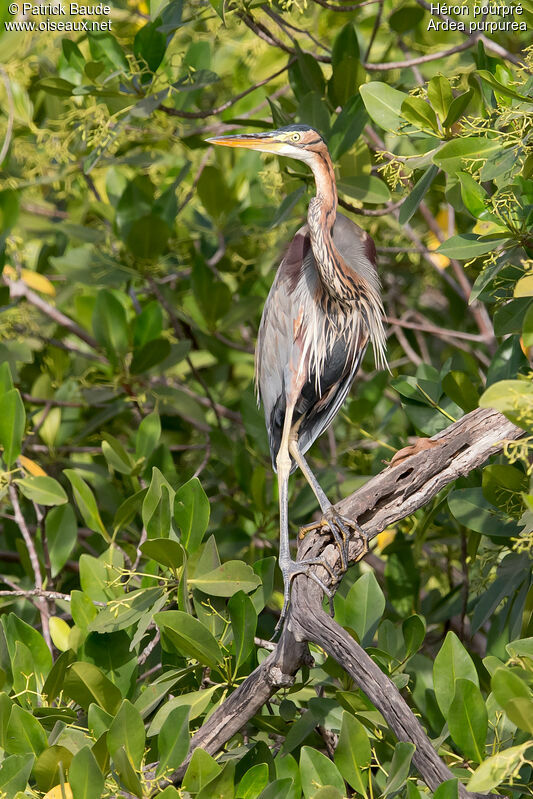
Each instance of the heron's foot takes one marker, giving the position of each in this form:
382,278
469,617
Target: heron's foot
342,529
290,569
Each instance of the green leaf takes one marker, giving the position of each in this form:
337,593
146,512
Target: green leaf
85,777
452,663
127,773
157,506
104,46
345,45
86,503
415,197
347,127
173,740
440,95
305,75
43,490
14,774
149,355
454,155
414,631
188,636
399,767
61,535
154,693
12,424
59,633
470,507
86,683
49,765
468,245
316,769
24,733
222,786
473,194
348,75
148,435
149,46
281,787
459,104
383,103
110,325
253,782
420,114
494,770
196,701
468,720
447,790
503,486
514,696
527,330
127,511
127,730
200,771
227,579
18,631
54,682
367,188
514,398
116,456
148,325
191,513
6,380
243,619
499,88
165,551
458,386
405,18
364,606
353,753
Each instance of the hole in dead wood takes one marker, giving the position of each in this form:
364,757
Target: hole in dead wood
406,473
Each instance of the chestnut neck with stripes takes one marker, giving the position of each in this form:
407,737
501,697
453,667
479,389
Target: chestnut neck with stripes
321,217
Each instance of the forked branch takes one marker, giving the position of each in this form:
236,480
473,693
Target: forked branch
393,494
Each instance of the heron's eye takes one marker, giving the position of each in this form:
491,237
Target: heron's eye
295,137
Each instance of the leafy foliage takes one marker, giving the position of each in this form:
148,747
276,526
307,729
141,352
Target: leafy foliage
138,504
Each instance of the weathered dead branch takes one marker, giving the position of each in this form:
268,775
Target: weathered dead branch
395,493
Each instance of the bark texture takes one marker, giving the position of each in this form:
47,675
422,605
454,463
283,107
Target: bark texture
393,494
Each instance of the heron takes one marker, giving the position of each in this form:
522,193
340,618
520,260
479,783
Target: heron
323,309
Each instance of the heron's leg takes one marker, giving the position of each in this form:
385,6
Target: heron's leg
290,568
340,527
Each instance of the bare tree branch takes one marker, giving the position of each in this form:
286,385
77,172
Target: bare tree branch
176,112
35,565
395,493
17,288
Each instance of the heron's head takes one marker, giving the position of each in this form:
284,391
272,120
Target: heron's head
294,141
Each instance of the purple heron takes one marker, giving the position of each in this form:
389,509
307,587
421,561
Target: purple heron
322,310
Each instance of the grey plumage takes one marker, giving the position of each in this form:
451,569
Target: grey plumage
322,310
330,370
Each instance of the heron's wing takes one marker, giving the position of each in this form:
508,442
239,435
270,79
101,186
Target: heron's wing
278,339
307,340
342,367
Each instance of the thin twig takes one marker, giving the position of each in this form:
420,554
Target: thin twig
17,288
377,22
176,112
388,209
34,560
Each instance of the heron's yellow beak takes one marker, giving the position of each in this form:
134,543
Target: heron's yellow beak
252,141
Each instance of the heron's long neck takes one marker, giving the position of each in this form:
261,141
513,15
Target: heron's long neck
321,217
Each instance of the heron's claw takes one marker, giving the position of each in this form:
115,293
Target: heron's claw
293,567
342,529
